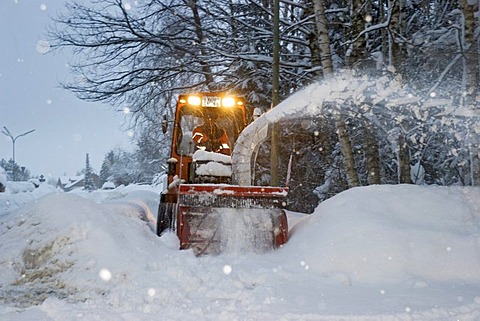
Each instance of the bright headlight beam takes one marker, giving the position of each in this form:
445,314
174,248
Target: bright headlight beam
228,102
194,100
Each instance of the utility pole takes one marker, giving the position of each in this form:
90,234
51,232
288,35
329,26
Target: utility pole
274,181
6,132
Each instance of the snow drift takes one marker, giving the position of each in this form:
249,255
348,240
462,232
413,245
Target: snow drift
393,234
378,253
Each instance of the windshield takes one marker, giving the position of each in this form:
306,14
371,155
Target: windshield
209,129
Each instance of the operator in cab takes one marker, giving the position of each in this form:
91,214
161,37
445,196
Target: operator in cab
212,138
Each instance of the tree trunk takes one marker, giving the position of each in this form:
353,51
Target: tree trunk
313,45
371,154
403,161
475,165
384,36
470,57
347,153
471,80
274,162
207,71
321,24
357,50
397,26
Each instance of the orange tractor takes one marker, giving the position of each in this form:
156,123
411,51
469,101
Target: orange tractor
208,213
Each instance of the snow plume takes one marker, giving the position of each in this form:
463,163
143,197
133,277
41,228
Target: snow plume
322,98
370,97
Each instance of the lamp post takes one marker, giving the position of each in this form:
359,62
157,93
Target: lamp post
6,132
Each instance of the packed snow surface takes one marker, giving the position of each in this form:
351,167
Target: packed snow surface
214,169
400,252
212,164
202,155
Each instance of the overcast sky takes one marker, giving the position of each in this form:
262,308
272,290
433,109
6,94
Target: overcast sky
66,128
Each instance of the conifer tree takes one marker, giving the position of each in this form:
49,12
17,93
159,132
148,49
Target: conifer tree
89,181
106,170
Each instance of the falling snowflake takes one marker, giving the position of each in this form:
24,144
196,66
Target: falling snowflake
227,269
105,275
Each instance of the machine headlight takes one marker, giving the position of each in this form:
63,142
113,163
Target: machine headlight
194,100
228,102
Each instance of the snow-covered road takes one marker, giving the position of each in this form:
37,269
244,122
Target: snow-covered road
373,253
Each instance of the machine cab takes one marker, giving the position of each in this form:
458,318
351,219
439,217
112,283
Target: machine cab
209,122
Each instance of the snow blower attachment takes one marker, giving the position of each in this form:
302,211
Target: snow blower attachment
210,215
223,218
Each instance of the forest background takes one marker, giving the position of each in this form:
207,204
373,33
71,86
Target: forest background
139,55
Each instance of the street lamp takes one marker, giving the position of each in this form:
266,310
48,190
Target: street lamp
6,132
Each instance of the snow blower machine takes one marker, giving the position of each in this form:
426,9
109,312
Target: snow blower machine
208,212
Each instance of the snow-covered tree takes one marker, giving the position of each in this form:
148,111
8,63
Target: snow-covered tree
14,171
106,169
89,178
152,154
123,168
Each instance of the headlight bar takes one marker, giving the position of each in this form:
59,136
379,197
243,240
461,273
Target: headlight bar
210,101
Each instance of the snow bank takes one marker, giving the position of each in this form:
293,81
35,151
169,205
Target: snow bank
3,178
394,234
20,187
18,194
61,243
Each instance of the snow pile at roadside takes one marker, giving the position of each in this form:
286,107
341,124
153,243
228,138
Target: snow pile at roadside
19,187
59,245
118,193
395,234
18,194
3,177
372,253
